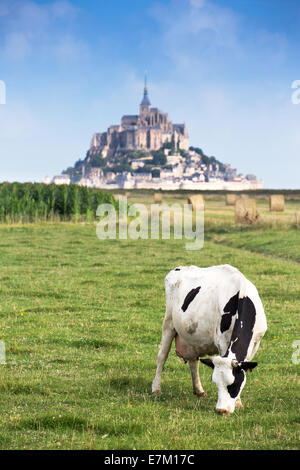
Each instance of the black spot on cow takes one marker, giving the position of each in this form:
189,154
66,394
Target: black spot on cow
229,310
177,269
239,377
243,329
190,297
247,365
208,362
192,327
235,387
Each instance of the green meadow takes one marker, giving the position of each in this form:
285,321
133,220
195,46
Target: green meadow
81,322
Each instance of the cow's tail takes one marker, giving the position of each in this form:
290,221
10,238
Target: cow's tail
243,287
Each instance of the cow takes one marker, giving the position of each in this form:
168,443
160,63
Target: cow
209,311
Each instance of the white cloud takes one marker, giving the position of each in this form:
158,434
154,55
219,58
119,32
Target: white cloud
70,49
197,3
28,27
193,30
226,86
62,9
16,122
215,84
16,46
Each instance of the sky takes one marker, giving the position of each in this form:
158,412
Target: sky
224,67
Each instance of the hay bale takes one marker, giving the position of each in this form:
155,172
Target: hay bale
277,203
231,199
197,201
245,211
158,197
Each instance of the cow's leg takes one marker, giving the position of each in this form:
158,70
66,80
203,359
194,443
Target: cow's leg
197,387
168,334
238,403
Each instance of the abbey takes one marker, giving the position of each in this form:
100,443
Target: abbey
147,151
149,130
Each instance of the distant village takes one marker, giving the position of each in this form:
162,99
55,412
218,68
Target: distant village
147,151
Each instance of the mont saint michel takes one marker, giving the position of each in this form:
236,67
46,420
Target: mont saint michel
148,130
147,150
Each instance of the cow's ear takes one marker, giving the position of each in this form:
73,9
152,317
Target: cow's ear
208,362
246,365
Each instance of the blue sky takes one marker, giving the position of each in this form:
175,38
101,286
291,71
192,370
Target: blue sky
224,67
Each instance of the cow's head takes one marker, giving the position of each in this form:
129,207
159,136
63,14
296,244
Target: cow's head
230,378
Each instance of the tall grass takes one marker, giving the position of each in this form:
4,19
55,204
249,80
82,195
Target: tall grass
37,202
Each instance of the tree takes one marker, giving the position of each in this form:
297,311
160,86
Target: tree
159,158
155,173
97,161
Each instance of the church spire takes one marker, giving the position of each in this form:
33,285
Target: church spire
145,100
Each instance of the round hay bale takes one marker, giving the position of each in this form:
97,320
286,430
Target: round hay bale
245,211
277,203
158,197
197,201
231,199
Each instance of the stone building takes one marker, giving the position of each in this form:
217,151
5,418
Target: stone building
148,130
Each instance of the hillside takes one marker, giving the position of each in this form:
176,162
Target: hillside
151,162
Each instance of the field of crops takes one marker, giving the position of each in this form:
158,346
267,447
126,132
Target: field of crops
37,202
81,321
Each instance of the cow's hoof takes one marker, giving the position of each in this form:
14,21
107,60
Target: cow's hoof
223,412
200,394
239,404
156,391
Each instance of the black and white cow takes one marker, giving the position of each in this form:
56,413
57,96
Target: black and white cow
210,311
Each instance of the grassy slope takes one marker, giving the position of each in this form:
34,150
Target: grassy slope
81,319
279,243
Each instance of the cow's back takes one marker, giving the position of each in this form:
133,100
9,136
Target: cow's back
204,305
195,297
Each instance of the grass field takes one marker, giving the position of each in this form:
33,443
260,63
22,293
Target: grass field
81,320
